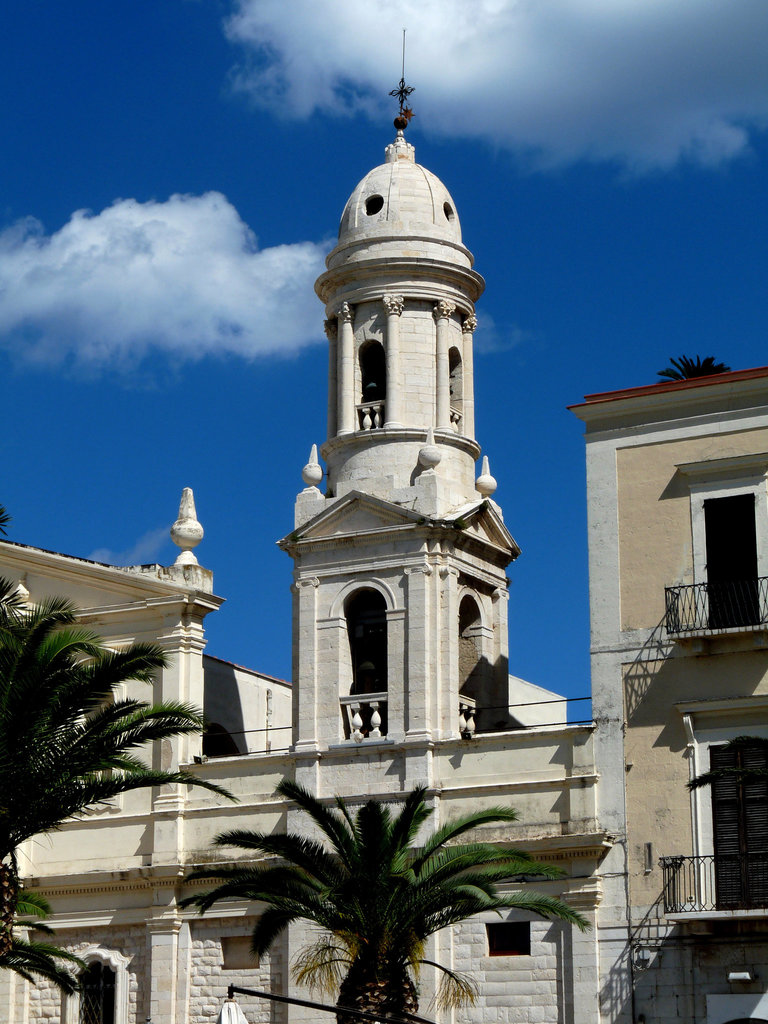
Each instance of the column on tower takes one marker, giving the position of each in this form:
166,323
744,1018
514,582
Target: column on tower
442,312
468,412
346,370
332,334
394,305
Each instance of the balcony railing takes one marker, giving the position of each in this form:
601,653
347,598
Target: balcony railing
366,716
695,885
710,606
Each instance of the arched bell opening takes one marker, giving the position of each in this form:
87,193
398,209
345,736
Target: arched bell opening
373,385
456,381
366,615
475,671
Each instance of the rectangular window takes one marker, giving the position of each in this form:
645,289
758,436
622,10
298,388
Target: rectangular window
740,822
509,938
731,542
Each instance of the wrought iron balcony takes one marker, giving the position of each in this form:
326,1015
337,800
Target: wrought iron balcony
695,885
711,606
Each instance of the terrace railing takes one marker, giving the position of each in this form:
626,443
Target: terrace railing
702,607
695,885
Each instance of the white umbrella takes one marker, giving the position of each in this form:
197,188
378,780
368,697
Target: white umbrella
231,1013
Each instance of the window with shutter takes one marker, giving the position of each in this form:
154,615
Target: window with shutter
740,820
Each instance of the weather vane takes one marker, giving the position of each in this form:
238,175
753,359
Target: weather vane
401,94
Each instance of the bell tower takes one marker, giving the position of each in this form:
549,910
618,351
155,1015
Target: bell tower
399,294
400,593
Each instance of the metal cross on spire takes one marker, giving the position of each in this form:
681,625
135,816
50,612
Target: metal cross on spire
401,94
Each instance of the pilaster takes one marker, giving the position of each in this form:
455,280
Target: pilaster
332,334
394,305
346,372
418,704
467,336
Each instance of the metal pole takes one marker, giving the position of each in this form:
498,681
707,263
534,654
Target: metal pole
405,1018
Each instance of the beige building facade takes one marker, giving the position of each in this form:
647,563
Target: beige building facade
678,538
400,672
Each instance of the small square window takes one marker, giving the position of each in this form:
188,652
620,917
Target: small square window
509,938
236,953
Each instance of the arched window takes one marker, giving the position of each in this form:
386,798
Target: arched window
366,615
218,741
103,997
97,994
456,372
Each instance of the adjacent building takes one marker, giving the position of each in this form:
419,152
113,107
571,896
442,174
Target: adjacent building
678,540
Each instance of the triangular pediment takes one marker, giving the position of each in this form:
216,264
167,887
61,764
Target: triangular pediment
482,521
359,515
356,514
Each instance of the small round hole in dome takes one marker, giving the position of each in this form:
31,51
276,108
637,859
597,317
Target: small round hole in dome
448,211
373,204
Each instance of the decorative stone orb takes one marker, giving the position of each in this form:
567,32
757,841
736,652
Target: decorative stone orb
485,483
430,456
312,474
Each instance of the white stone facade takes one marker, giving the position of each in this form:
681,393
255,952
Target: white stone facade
400,667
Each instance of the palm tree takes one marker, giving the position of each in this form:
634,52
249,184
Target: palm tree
66,742
376,895
685,368
4,520
32,958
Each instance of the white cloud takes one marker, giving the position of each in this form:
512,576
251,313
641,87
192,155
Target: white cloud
146,549
643,82
185,276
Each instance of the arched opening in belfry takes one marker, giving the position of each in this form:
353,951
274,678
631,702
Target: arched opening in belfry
373,372
456,372
475,672
366,615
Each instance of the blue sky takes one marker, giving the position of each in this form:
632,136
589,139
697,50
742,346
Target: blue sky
173,172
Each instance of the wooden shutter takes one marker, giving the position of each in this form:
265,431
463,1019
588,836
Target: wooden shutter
740,821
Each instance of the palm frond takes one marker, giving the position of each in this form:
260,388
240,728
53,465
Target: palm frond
322,965
686,368
455,988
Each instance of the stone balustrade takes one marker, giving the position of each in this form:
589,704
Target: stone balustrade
366,715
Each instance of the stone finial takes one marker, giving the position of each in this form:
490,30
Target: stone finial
312,473
186,532
430,455
485,483
21,591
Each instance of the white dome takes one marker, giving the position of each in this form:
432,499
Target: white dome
402,198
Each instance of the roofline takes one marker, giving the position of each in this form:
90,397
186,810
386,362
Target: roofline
663,387
244,668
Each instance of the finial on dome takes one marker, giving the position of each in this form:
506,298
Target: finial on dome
401,94
485,483
430,455
186,532
312,473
